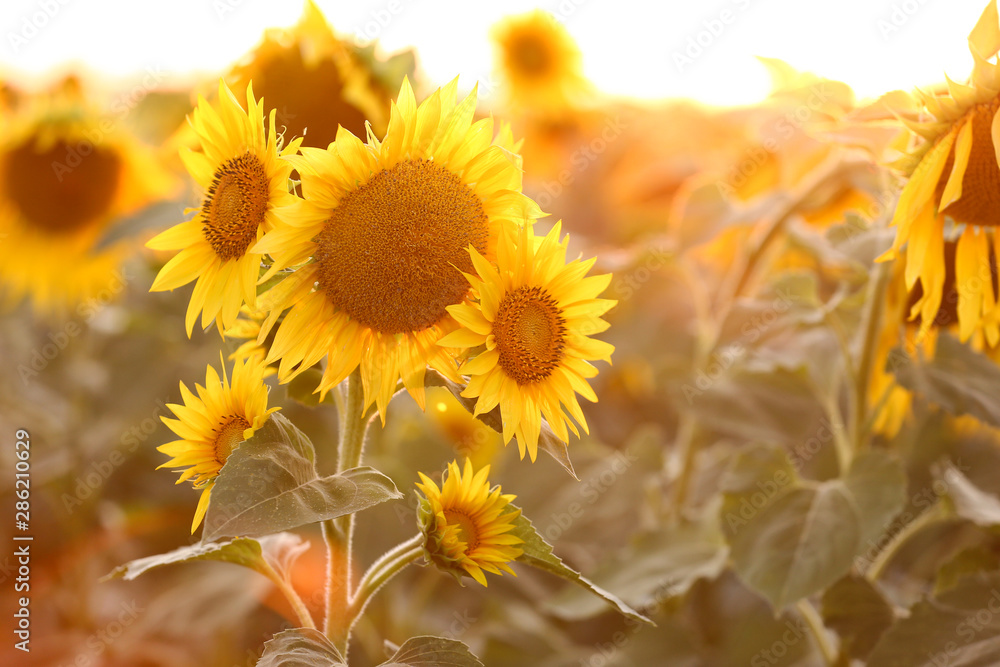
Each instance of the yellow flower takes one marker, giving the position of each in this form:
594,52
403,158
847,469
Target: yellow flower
67,176
213,423
314,81
535,316
465,525
954,176
244,183
540,62
386,225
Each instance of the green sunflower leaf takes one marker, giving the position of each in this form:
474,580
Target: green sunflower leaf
538,553
427,651
858,612
269,484
301,647
274,554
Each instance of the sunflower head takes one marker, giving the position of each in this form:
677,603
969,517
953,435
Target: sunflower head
534,317
211,424
539,61
380,240
314,80
67,176
467,525
245,184
953,191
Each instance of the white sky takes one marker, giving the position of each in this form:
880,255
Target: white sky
629,46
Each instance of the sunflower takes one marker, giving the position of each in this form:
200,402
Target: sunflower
535,315
67,176
953,191
386,225
314,80
539,61
244,184
465,526
213,423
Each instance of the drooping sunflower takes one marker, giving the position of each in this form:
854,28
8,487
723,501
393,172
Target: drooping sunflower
535,316
314,80
67,176
384,227
211,424
953,191
539,61
245,183
466,525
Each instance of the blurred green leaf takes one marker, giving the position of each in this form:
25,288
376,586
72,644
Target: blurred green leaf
968,561
858,613
538,553
971,502
301,647
958,379
269,484
269,555
429,651
877,482
959,628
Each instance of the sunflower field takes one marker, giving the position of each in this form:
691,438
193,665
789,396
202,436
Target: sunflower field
320,361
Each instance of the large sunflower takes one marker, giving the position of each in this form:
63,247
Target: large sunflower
244,183
953,192
466,527
535,316
539,61
67,175
211,424
386,225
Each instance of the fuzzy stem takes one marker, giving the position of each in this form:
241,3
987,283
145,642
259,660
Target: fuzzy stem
871,319
881,561
305,618
815,623
381,571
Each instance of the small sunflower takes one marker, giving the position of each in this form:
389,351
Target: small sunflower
314,80
953,191
380,238
66,179
213,423
466,525
245,182
535,316
539,61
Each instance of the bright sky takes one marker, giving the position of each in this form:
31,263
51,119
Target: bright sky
651,49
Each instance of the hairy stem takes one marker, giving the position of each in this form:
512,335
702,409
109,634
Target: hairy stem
818,630
381,571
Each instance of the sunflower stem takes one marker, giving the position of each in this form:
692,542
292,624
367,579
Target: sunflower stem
299,607
381,571
339,533
815,624
937,512
870,320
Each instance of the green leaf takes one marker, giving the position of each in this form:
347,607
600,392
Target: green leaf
968,561
959,628
858,612
429,651
301,647
274,553
971,502
659,565
547,440
877,482
269,484
799,543
538,553
958,379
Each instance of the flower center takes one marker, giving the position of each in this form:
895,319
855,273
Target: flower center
530,55
235,206
392,252
947,314
467,530
230,435
64,187
530,331
980,200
